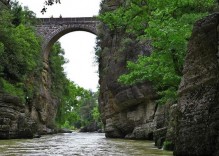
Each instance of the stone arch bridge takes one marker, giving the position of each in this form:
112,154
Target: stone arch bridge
51,29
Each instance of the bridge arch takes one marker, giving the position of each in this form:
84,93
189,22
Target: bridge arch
51,29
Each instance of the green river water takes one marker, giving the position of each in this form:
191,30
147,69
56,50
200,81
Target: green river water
79,144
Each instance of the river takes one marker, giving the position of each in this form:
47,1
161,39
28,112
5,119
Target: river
79,144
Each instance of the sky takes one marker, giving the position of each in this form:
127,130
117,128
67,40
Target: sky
78,46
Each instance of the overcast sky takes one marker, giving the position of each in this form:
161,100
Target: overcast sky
78,46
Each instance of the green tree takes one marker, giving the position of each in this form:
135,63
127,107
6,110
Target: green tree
168,25
20,47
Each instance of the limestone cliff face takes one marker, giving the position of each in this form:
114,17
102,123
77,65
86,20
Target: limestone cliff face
35,116
13,121
198,106
127,111
39,109
43,106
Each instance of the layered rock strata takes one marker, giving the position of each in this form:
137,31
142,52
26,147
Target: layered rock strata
38,112
43,106
126,111
13,121
198,106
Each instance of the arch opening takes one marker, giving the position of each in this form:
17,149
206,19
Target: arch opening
79,50
52,38
82,45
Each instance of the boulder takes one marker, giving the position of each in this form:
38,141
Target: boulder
93,127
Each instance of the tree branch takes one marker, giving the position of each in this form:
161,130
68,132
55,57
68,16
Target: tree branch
49,3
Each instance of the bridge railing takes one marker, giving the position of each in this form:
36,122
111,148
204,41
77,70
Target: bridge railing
76,19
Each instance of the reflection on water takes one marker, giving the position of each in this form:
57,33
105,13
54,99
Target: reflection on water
79,144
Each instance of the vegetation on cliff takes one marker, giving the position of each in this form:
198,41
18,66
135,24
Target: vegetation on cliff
19,48
167,25
21,66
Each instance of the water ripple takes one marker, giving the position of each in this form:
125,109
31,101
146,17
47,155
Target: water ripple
79,144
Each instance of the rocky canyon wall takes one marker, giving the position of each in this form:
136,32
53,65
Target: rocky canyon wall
35,115
127,111
14,123
198,106
131,112
43,106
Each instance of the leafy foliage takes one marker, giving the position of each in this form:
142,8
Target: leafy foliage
168,25
49,3
20,15
19,48
16,90
21,63
131,16
168,145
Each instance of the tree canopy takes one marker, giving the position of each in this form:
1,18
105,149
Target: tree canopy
167,24
19,46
